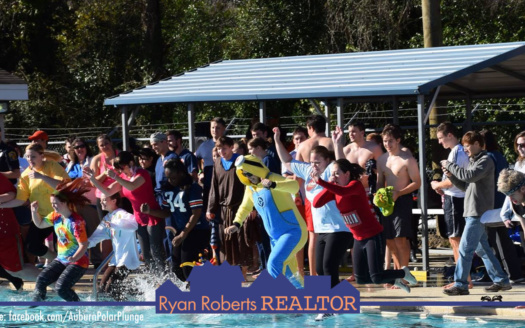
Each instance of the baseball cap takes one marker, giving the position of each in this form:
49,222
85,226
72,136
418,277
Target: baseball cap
39,135
158,136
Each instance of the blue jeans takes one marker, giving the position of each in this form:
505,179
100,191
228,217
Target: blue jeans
474,239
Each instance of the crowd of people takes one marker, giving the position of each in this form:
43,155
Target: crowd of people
255,203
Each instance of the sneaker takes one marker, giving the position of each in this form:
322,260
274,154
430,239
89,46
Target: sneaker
399,283
409,277
455,290
322,316
496,287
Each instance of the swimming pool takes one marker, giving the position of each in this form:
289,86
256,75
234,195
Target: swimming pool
145,316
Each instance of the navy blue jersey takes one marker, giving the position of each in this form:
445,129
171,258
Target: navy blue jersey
189,160
8,159
181,203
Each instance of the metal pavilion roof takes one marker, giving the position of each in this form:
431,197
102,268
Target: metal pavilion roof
478,70
12,87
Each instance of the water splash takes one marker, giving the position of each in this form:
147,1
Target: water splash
141,287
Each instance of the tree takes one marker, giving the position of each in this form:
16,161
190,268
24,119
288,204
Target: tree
433,36
366,25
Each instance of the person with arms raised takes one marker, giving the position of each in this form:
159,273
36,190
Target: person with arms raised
72,261
135,184
120,227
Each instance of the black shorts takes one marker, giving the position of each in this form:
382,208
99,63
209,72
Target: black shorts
453,209
398,224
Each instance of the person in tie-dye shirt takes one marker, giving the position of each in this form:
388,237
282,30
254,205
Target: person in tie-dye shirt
72,243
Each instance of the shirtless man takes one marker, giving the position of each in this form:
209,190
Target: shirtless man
360,151
399,169
315,125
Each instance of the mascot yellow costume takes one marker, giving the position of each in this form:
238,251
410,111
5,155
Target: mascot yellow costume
271,195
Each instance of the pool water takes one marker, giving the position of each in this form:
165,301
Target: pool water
145,316
150,319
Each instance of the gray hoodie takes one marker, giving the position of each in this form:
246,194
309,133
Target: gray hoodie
478,182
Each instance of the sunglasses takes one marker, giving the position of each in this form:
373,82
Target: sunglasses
79,147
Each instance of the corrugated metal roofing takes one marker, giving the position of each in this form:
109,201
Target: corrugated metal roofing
12,87
476,69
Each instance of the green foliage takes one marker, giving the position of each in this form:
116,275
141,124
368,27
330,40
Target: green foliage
74,57
278,28
366,25
483,21
74,54
195,32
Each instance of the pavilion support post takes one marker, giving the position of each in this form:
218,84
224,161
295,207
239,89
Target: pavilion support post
262,112
327,115
395,110
422,172
125,128
191,127
340,107
133,115
468,109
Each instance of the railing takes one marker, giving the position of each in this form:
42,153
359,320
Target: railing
97,271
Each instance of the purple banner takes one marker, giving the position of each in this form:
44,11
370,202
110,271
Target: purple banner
218,289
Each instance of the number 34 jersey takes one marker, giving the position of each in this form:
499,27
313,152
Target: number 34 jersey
181,202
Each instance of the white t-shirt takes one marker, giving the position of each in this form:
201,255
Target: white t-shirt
458,156
122,235
327,218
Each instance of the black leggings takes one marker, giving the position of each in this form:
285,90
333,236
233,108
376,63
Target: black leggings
150,240
196,242
368,257
65,276
328,253
35,239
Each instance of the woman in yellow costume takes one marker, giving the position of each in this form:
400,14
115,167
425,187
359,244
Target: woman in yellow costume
270,194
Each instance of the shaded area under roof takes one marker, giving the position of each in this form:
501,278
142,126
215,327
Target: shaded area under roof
12,87
468,72
481,71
